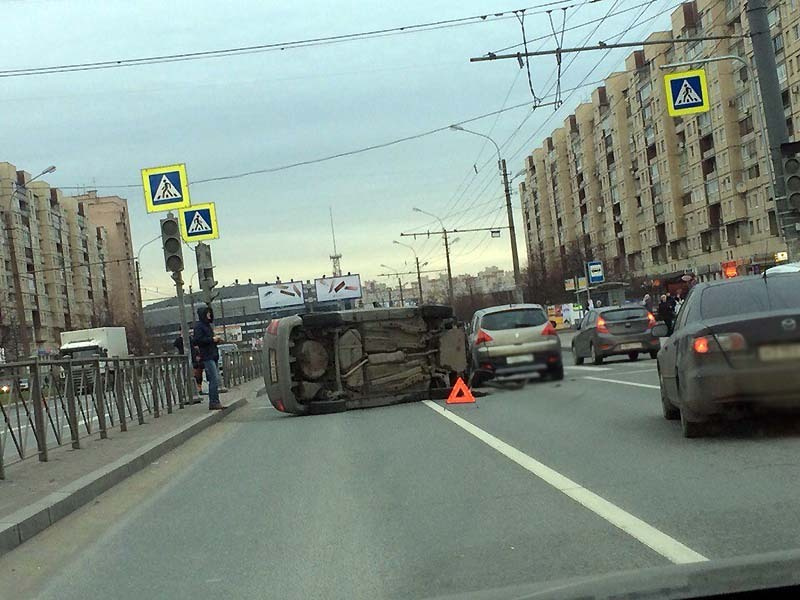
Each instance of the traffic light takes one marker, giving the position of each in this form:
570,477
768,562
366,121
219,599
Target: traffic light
205,272
791,174
171,243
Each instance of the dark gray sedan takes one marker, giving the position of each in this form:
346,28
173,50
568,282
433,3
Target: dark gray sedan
735,349
614,330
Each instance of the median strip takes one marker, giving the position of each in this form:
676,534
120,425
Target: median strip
653,538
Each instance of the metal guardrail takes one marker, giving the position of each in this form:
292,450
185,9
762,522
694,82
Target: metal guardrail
238,367
50,403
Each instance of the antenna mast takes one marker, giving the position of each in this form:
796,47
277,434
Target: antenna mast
336,258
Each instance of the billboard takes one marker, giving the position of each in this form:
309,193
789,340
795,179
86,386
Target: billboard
346,287
280,295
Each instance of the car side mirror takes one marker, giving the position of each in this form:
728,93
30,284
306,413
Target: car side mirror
578,325
660,330
554,324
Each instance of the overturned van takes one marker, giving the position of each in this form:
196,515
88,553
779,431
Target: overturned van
336,361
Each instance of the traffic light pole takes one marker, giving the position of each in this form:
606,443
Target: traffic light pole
187,348
776,130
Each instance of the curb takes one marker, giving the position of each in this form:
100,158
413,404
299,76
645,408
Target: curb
25,523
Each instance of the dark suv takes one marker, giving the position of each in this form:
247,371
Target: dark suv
614,330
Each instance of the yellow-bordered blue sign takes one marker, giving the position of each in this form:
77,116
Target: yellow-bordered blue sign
165,188
687,93
199,222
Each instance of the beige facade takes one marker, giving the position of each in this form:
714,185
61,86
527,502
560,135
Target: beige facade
53,266
656,196
111,213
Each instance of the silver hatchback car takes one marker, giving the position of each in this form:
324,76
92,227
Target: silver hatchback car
513,342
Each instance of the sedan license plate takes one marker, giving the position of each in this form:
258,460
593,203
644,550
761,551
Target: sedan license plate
630,347
779,352
520,358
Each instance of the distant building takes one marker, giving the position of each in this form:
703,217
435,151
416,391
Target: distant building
111,212
654,196
52,266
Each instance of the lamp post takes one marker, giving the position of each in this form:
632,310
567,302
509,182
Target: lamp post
501,165
399,282
416,260
446,251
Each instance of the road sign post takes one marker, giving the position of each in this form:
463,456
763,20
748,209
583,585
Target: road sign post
687,93
165,188
199,223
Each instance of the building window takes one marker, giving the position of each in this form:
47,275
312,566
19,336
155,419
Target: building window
782,73
773,16
773,223
777,43
753,172
746,125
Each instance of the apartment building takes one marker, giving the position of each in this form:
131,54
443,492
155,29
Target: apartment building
111,213
52,266
657,197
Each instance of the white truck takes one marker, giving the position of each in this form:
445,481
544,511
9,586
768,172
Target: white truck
108,342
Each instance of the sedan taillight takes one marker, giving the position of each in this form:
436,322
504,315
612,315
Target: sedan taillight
601,325
549,329
651,320
721,342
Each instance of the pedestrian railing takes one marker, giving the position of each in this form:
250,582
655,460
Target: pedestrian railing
240,366
49,403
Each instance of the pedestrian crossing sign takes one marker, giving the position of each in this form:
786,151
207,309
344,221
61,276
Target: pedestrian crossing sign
199,223
165,188
687,93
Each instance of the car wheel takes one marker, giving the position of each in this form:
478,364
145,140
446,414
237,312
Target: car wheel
669,410
596,358
576,358
556,372
633,356
653,354
690,428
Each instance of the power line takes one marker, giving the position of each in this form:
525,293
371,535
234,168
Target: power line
275,46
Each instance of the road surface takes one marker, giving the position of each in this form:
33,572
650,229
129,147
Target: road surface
552,481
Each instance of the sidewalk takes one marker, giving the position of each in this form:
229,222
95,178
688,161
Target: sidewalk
36,494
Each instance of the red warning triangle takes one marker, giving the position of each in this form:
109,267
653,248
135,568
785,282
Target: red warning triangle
460,393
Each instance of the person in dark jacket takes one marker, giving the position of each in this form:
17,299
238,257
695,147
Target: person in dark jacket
206,343
666,312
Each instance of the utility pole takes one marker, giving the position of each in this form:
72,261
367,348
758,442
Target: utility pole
501,165
446,251
777,132
419,274
449,270
512,234
419,281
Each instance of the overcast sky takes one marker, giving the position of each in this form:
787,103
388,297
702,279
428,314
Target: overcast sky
230,115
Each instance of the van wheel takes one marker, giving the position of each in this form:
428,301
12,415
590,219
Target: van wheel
633,356
556,372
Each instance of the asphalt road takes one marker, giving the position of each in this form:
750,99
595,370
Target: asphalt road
548,482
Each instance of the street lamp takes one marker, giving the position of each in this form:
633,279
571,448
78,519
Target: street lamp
399,282
416,260
501,165
446,251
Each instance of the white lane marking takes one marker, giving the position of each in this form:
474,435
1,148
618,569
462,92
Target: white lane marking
583,368
648,535
636,371
633,383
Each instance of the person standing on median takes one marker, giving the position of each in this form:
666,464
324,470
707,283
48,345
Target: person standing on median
206,343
